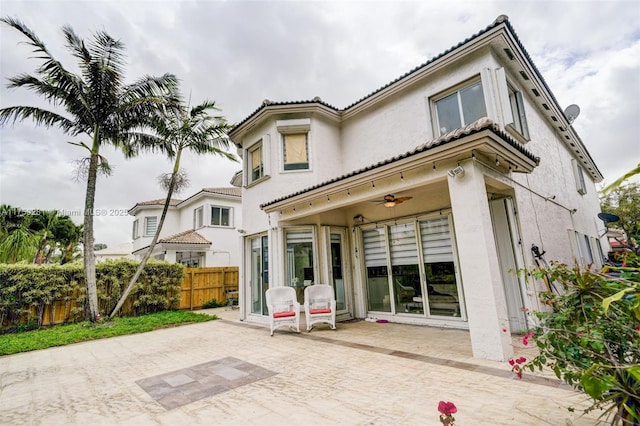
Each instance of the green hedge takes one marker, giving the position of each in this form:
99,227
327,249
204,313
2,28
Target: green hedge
27,290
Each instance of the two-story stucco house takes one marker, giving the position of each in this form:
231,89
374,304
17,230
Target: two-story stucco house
201,230
418,201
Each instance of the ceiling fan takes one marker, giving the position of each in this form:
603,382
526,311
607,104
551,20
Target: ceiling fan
390,200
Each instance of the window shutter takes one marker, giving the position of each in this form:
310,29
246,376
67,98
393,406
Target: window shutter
266,155
489,93
375,251
403,245
503,92
436,240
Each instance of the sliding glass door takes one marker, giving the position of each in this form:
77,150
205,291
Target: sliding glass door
410,268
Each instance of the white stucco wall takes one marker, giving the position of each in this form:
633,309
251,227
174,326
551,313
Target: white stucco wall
171,225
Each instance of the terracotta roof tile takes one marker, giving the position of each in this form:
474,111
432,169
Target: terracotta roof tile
186,237
231,191
159,201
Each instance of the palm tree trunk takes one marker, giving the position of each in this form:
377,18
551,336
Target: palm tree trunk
145,258
87,238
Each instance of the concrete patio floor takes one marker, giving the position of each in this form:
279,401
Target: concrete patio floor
228,372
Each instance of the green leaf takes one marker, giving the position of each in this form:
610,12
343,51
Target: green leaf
619,295
634,371
594,386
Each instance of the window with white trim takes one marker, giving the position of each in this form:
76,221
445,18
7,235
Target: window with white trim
198,218
295,143
134,232
460,108
295,151
150,226
578,174
220,216
256,162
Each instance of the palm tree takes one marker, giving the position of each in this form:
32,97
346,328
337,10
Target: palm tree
68,242
181,129
19,244
98,105
45,221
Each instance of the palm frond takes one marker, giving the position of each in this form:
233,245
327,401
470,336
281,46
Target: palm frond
41,117
621,179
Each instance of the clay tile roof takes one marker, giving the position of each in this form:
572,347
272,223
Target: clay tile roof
186,237
159,202
232,191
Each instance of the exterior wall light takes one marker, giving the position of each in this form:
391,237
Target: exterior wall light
456,171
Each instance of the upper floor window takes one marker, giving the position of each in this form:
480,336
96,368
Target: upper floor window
517,111
134,231
295,151
198,218
256,162
150,226
578,173
220,216
460,108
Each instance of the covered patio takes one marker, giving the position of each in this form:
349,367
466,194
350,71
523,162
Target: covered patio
231,372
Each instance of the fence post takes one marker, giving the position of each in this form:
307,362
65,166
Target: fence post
192,285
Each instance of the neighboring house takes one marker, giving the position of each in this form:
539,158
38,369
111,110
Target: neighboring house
419,201
120,251
199,231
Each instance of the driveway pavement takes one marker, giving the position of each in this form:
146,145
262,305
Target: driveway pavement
228,372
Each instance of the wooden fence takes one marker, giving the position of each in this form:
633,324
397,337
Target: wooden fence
201,285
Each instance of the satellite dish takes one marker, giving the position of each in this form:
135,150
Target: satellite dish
608,217
572,112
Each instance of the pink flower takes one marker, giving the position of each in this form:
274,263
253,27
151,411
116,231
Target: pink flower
511,362
447,408
504,329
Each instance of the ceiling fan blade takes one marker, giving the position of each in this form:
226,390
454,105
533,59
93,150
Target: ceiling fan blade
402,199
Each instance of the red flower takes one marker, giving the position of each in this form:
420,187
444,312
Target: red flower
447,408
511,362
504,329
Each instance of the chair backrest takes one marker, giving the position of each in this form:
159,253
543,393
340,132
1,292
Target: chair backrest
319,292
280,298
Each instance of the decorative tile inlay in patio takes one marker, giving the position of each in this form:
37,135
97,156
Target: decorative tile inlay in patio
185,386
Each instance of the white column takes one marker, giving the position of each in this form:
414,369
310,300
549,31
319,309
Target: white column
479,266
170,256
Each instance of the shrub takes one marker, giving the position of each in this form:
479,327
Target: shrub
28,291
591,337
213,303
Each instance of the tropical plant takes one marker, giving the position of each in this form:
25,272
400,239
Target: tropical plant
591,337
19,244
624,202
195,130
616,183
97,104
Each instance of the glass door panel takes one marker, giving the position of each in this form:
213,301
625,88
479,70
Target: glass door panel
259,274
405,269
337,268
442,287
375,260
299,262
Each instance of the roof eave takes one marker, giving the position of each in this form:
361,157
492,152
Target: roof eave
266,110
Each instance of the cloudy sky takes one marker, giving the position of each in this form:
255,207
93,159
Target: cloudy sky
239,53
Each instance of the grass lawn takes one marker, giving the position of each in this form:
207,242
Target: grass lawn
60,335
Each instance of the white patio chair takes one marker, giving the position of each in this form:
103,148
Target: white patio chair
284,309
320,305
